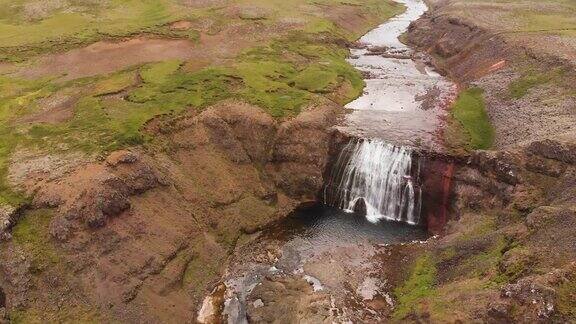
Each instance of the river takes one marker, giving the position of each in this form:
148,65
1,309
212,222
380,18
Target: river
326,264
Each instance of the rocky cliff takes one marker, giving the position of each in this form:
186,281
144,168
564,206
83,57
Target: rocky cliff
143,233
507,254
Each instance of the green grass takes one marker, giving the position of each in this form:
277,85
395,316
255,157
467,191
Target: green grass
82,22
114,84
281,76
32,234
530,79
159,73
317,79
419,285
470,111
17,98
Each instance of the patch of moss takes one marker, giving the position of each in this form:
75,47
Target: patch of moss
566,301
316,78
450,303
85,22
115,83
470,111
159,73
65,314
530,79
419,285
518,265
484,263
244,216
32,234
18,98
477,229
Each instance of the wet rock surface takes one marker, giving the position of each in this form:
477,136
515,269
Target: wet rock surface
320,265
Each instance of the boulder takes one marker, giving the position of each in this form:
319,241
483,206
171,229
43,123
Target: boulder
360,208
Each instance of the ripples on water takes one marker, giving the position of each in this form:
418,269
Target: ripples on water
322,225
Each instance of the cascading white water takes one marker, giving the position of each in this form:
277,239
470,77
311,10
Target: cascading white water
381,175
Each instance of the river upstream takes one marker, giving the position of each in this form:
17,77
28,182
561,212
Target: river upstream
404,100
332,263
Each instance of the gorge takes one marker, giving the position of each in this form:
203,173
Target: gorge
242,161
371,199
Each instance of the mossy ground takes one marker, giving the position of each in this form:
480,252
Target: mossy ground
419,285
34,27
31,233
281,76
532,78
469,111
467,266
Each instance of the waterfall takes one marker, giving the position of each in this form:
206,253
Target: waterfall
380,176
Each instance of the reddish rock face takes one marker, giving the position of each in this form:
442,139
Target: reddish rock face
437,177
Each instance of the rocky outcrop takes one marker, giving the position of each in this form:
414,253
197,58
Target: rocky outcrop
538,295
554,150
463,50
148,228
301,152
91,196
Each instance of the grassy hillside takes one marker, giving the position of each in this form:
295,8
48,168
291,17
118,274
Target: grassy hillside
299,58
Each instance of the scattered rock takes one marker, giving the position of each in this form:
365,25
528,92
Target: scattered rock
15,276
544,166
377,50
503,165
537,294
258,303
538,298
181,25
287,300
499,312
